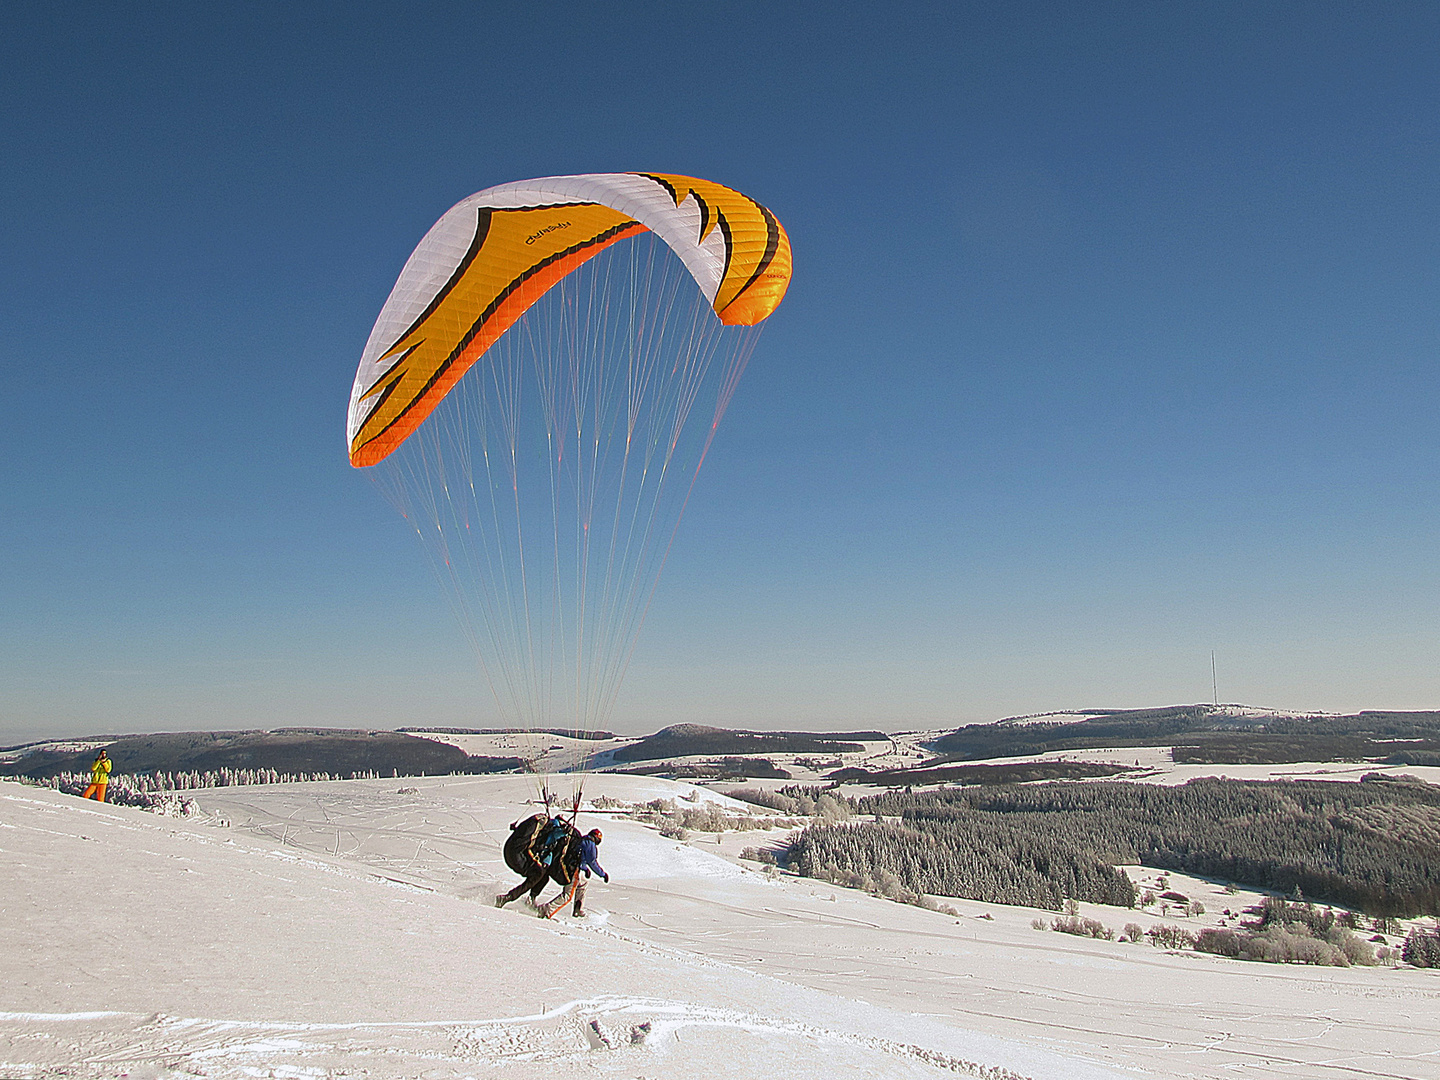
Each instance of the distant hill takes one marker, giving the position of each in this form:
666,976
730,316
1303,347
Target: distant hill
1200,734
287,750
684,740
1019,773
569,733
729,768
1212,734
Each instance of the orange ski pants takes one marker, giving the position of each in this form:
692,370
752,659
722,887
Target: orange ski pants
95,791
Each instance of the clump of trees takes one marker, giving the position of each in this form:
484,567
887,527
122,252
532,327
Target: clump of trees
1165,936
1162,936
969,856
1290,933
1422,948
676,821
799,801
1074,924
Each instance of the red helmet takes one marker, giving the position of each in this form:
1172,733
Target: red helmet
594,834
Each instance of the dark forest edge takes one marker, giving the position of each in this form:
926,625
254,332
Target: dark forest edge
1373,846
1208,734
686,740
1004,773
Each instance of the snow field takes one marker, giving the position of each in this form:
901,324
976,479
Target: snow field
331,928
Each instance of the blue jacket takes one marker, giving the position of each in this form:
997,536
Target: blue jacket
588,858
550,840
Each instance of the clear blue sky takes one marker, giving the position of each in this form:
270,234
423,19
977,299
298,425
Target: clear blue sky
1112,341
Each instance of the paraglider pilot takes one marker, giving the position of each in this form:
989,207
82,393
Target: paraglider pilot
99,778
589,862
537,850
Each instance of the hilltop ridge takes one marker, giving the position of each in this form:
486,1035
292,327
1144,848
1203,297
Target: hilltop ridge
1190,734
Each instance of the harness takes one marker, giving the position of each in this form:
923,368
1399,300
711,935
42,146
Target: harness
551,840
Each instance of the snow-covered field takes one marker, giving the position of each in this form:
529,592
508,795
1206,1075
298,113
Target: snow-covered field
318,930
553,753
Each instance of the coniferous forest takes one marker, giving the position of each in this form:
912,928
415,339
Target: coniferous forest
1374,846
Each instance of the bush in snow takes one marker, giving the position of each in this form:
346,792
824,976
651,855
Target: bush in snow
1074,924
123,790
676,822
1170,937
1287,945
1220,942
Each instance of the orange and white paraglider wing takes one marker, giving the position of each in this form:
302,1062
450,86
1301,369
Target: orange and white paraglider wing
494,254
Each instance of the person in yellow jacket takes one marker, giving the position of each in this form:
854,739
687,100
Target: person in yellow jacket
99,778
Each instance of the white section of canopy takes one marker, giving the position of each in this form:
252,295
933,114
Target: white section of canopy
438,254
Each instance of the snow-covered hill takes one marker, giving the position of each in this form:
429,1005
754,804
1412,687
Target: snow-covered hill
1216,712
316,930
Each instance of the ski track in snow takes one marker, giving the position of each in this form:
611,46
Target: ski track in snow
606,1035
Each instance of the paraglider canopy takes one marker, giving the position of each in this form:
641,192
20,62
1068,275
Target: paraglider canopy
537,397
494,254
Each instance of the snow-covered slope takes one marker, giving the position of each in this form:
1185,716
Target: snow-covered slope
329,929
1219,712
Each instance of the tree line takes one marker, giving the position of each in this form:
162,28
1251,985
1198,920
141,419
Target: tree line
293,751
156,790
